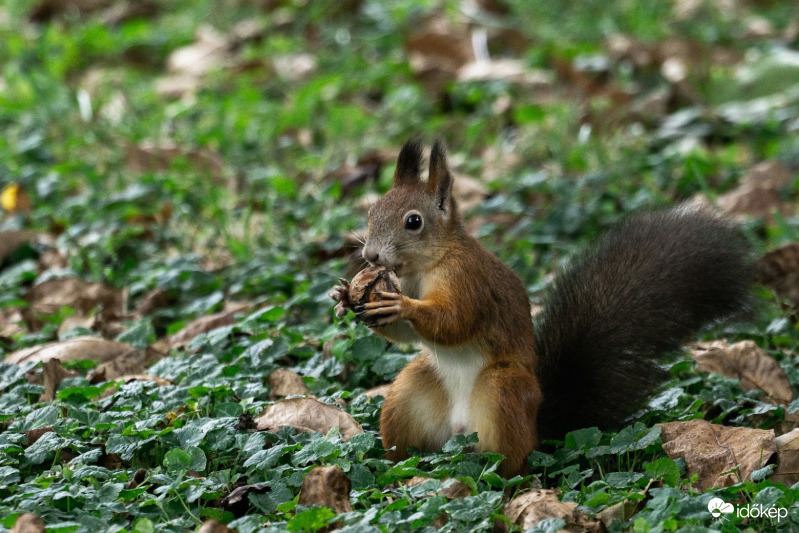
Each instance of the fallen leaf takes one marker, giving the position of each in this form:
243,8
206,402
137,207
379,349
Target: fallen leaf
76,321
284,382
207,323
120,12
307,413
294,67
328,486
449,487
78,348
158,156
11,322
138,478
759,193
48,297
154,300
32,435
238,502
111,12
129,363
619,512
528,509
721,456
468,192
212,526
746,362
28,523
508,70
211,51
787,471
365,170
12,240
14,199
110,461
779,271
437,52
53,374
624,510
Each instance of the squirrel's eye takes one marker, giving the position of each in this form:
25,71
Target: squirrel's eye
413,222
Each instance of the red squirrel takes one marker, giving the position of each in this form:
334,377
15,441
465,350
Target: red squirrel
612,315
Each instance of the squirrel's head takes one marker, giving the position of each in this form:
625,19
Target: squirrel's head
407,226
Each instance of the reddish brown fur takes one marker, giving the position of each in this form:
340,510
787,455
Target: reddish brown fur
466,297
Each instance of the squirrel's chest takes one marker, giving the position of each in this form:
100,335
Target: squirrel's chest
458,369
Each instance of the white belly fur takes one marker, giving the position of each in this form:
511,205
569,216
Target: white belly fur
458,368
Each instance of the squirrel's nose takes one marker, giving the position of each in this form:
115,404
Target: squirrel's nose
371,255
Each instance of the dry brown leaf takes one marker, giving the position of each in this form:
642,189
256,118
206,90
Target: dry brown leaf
624,510
112,11
468,192
328,486
11,322
746,362
53,374
713,452
158,156
759,193
779,271
451,488
307,413
188,65
76,321
48,297
211,51
138,478
78,348
284,383
294,67
133,362
787,471
11,240
437,52
204,324
237,502
158,380
119,12
364,171
28,523
154,300
212,526
32,435
509,70
621,512
530,508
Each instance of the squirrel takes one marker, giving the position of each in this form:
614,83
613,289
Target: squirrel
594,356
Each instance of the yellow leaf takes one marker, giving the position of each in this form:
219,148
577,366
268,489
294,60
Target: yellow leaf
8,198
13,199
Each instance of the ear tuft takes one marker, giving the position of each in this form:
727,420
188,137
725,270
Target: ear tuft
440,180
409,162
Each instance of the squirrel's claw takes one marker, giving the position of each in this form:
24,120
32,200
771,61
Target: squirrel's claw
341,294
382,312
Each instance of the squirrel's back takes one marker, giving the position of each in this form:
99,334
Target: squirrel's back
627,302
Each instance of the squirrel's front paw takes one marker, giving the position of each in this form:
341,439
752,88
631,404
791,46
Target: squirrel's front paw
385,311
341,294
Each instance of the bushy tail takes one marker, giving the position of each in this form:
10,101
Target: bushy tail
619,308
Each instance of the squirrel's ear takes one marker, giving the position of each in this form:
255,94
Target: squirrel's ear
409,163
439,181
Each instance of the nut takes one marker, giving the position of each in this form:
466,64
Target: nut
371,280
